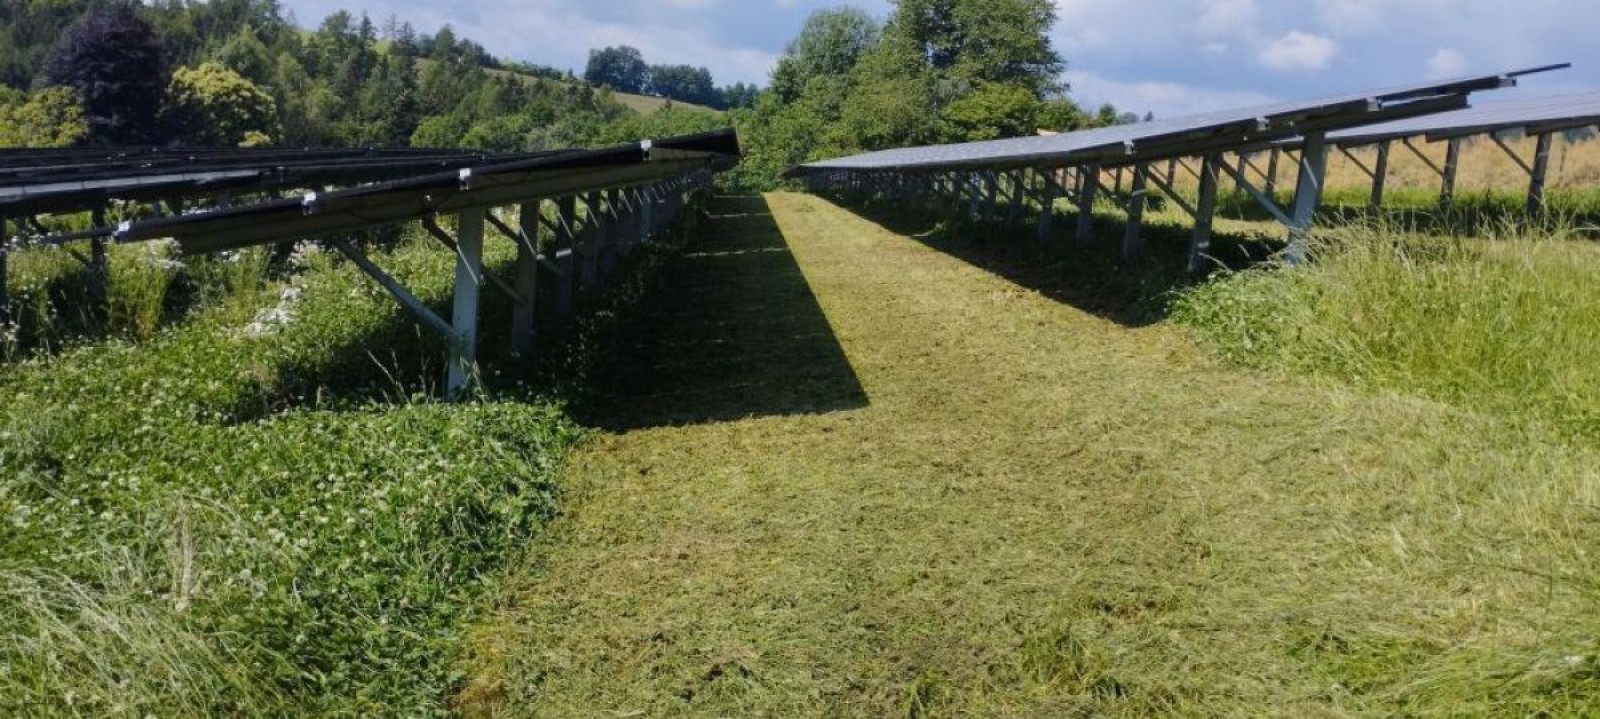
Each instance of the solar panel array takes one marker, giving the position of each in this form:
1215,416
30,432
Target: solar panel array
1143,142
76,180
1540,114
628,192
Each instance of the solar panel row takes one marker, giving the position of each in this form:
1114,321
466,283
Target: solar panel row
1143,142
629,191
966,170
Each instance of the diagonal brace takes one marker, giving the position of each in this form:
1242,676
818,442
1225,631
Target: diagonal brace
401,294
1177,199
1513,153
445,239
1267,203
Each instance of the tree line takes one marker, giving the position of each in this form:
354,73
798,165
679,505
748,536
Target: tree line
624,69
232,72
935,71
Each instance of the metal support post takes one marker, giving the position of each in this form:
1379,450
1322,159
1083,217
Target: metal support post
565,251
1047,209
524,314
992,197
1272,172
5,294
464,318
1307,196
1089,177
1014,211
1452,162
1132,236
611,234
647,216
1205,212
1541,170
99,267
1380,178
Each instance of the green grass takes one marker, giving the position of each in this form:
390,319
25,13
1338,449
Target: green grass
1506,325
870,472
257,510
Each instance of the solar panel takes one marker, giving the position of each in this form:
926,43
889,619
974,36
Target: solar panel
1540,114
550,175
75,180
1130,144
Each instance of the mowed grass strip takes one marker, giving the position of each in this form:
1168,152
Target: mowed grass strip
991,503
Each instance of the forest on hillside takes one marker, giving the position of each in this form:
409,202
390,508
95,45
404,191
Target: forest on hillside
241,72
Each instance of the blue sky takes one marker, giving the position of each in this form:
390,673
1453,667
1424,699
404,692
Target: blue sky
1171,57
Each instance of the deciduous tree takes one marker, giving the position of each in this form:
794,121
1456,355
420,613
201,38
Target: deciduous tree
620,68
212,105
113,62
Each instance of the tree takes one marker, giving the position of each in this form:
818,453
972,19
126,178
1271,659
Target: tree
739,96
1106,116
245,54
621,68
212,105
1062,115
45,118
112,61
831,43
685,83
1004,41
993,111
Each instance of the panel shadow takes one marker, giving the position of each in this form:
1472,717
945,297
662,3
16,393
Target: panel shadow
735,333
1085,275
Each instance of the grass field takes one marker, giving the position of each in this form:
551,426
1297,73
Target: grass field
246,502
642,104
858,462
864,471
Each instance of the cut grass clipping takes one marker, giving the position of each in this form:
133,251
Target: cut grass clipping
999,504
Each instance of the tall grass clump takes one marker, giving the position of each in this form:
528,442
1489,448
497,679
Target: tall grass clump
138,281
1509,323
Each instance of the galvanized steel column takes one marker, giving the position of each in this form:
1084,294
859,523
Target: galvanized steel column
1132,235
1541,170
1047,208
1205,212
1089,189
524,315
1307,195
464,320
566,255
1380,177
1452,161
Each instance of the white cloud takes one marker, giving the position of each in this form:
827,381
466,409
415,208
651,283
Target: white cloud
1349,16
1227,17
1165,99
1299,51
1446,63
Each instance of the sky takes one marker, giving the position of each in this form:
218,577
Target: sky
1169,57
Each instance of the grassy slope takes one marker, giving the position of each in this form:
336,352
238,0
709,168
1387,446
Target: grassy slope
643,104
1031,511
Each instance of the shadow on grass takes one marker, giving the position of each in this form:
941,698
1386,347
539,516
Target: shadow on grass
734,332
1086,275
728,330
